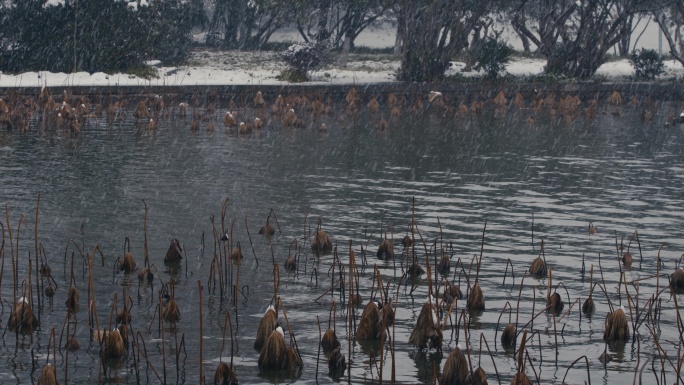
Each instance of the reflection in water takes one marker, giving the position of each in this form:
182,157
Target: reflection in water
615,172
427,365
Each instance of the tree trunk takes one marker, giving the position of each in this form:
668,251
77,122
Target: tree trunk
244,28
346,46
397,46
302,33
427,50
523,38
472,52
230,12
575,39
322,34
525,41
398,39
75,68
662,22
626,37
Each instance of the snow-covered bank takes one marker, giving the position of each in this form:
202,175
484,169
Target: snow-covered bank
261,68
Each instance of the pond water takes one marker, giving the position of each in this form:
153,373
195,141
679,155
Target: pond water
619,173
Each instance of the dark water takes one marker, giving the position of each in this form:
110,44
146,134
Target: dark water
617,172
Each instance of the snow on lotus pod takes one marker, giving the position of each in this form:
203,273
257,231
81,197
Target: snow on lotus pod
617,326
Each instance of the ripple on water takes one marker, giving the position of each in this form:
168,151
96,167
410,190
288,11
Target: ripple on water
353,180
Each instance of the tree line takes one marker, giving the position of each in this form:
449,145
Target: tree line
94,35
574,36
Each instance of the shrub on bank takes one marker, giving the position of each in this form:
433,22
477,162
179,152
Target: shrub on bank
647,64
94,35
492,57
302,58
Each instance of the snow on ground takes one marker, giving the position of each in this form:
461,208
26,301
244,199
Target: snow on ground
262,68
622,69
254,68
526,66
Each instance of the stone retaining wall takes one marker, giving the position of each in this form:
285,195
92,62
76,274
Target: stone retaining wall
462,92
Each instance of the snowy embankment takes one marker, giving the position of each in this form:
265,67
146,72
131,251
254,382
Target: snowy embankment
262,68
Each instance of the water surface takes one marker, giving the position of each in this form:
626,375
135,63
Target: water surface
618,173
